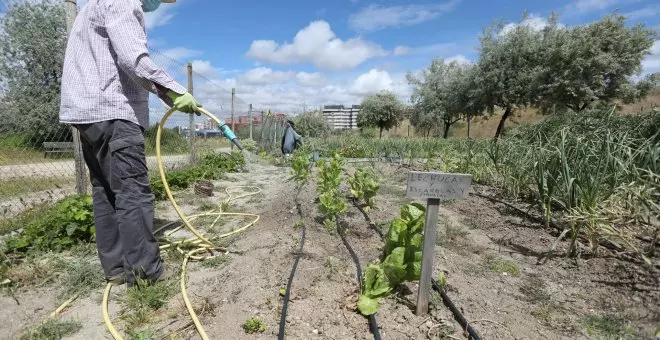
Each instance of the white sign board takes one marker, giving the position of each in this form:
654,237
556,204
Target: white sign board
438,185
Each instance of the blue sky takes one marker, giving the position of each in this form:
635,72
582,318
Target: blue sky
286,55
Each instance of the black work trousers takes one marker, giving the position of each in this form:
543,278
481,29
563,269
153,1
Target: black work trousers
122,199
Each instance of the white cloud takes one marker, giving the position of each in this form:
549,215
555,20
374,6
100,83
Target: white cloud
646,12
310,79
401,50
460,59
535,22
204,68
587,6
264,76
260,87
316,44
180,53
372,82
375,17
161,16
651,64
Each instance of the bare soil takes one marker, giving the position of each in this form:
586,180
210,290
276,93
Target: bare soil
488,251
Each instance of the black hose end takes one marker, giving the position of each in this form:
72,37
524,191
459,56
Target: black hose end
237,143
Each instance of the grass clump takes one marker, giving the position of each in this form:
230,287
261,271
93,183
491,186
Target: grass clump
53,329
503,266
143,300
254,325
608,327
215,261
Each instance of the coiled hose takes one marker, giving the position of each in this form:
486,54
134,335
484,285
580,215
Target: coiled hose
199,243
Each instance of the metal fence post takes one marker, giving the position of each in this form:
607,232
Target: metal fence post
191,125
81,170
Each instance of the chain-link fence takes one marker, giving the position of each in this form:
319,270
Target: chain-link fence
37,153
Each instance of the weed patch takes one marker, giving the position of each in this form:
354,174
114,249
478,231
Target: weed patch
53,329
254,325
144,300
534,289
69,222
608,326
502,266
216,261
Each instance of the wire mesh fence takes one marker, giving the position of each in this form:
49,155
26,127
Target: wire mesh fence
37,152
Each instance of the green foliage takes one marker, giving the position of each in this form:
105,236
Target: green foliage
402,258
300,167
383,110
68,222
593,63
312,124
53,329
331,201
254,325
32,41
446,93
170,141
364,186
211,166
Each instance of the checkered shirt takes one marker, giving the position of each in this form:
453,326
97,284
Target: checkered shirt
107,70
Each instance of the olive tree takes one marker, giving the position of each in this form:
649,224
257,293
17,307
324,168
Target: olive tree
509,64
32,44
383,110
312,124
445,94
593,63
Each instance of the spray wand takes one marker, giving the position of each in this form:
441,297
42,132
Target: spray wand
222,126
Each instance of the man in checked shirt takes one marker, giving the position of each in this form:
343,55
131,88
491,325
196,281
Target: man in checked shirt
106,82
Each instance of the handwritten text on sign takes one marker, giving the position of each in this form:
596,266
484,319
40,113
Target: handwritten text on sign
438,185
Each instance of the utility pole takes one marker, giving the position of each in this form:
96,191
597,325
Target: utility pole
233,94
191,118
81,170
250,118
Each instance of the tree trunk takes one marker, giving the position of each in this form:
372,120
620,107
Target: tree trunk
381,133
445,134
469,119
500,126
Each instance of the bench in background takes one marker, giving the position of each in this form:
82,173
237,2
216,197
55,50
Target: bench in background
57,148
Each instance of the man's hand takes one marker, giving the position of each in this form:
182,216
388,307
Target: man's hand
184,102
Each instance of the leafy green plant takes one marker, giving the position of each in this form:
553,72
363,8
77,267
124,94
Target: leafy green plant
254,325
331,201
364,186
68,222
300,167
402,258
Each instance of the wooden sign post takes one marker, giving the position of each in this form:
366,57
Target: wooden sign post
433,186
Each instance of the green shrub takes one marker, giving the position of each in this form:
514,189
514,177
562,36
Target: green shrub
171,141
68,222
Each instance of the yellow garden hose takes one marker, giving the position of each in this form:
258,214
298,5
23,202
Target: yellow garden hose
199,242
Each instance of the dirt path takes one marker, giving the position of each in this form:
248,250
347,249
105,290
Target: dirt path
487,251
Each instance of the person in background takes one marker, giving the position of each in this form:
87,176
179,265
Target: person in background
291,140
106,81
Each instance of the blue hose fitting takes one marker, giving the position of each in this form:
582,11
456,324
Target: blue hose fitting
230,135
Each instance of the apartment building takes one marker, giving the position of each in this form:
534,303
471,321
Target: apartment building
341,117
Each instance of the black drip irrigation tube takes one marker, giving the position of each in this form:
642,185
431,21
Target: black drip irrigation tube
373,325
287,294
458,316
472,333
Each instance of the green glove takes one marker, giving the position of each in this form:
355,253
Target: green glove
184,102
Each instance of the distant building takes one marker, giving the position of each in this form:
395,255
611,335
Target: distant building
341,117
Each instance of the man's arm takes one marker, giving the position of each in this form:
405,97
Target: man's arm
127,36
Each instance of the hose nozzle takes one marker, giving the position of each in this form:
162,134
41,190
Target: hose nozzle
230,135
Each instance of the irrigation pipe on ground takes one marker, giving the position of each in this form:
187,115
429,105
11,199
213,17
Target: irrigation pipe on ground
287,294
473,334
